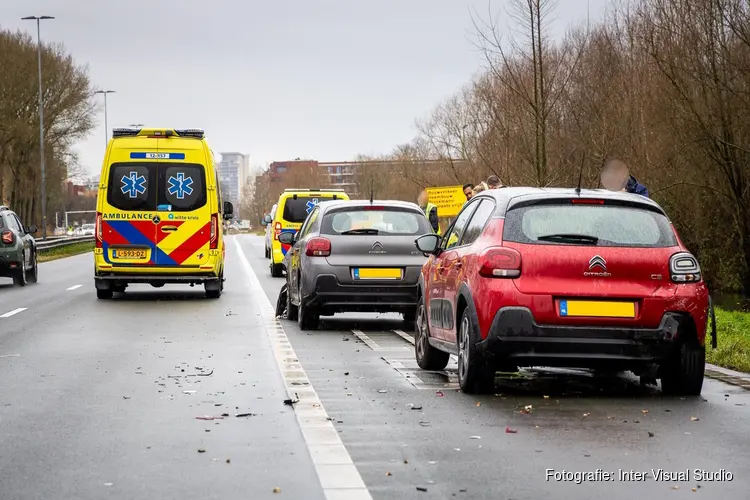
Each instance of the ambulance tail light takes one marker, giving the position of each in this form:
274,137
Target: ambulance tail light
7,237
276,231
98,230
214,231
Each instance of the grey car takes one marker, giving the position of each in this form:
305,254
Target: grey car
354,256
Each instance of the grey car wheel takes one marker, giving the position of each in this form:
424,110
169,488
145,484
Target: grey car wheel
33,273
292,311
308,318
20,277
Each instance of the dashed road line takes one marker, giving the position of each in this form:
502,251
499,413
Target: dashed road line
336,471
405,336
14,311
74,287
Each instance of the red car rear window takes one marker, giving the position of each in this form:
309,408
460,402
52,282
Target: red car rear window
608,225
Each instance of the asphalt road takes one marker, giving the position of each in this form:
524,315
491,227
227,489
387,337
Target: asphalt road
94,404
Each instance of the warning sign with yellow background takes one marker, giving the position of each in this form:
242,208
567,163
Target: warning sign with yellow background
449,200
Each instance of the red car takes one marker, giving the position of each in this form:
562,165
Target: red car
566,278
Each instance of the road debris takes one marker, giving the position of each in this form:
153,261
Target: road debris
229,461
439,394
277,490
527,409
650,434
201,450
112,484
290,401
189,392
644,411
694,419
208,417
382,391
388,474
545,397
479,403
416,407
421,488
475,437
126,397
586,415
508,430
239,415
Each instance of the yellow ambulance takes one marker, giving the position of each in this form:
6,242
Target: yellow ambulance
159,213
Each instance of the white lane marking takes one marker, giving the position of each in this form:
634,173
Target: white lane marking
14,311
74,287
10,356
337,474
367,340
405,336
411,340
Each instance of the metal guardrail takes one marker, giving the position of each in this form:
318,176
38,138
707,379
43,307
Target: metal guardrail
50,243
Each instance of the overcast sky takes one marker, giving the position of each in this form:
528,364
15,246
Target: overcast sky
276,79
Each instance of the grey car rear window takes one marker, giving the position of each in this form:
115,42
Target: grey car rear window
387,221
613,225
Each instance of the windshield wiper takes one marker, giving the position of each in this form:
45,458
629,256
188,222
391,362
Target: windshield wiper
362,231
569,238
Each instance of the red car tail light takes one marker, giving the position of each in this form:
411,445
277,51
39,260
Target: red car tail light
214,232
7,237
500,262
276,231
684,268
318,247
98,230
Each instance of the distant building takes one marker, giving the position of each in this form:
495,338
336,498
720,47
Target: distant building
234,173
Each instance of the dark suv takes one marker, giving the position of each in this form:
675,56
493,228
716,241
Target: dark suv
17,249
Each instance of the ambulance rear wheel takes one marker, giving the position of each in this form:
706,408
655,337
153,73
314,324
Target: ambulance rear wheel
277,270
103,294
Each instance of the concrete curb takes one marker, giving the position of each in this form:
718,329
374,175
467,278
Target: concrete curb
732,377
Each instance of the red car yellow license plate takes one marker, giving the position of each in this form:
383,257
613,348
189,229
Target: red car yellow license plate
597,309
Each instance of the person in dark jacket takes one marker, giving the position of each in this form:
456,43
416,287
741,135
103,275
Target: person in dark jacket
616,176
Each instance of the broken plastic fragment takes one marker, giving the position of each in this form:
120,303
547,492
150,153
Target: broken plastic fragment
694,419
475,437
277,490
508,430
439,394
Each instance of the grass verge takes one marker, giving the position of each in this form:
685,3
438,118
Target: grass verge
733,339
65,251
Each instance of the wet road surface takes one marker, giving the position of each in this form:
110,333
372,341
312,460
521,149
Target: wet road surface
94,404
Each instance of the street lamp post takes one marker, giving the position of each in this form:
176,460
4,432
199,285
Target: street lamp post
41,118
106,127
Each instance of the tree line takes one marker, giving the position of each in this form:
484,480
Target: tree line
662,84
68,116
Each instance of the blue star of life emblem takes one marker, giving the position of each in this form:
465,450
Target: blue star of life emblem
133,184
311,204
180,186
